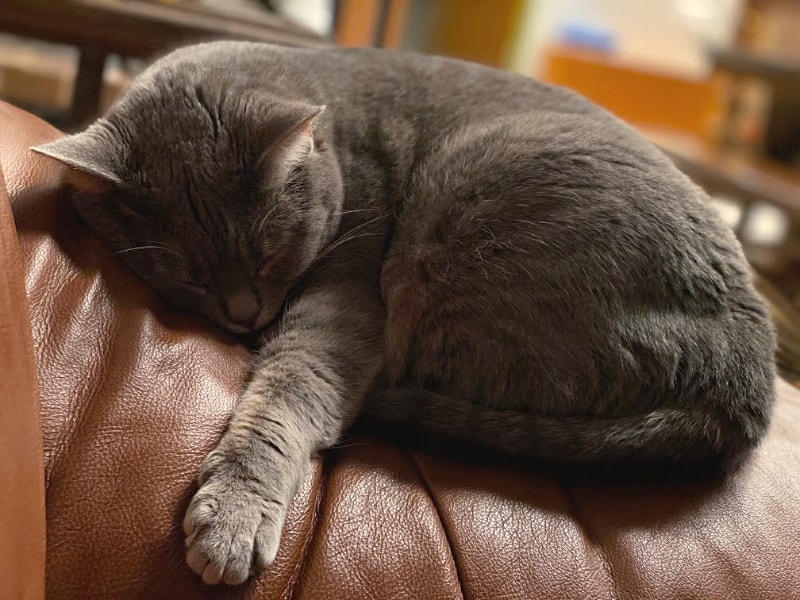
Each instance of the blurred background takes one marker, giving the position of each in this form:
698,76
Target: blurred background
715,83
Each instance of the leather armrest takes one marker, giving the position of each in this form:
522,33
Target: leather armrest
22,508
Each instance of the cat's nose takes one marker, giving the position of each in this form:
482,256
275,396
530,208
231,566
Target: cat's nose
243,307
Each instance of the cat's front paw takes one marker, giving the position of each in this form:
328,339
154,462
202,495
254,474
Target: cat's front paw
232,527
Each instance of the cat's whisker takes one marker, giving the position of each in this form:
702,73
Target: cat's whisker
264,220
351,445
355,210
365,224
354,233
151,247
341,242
350,235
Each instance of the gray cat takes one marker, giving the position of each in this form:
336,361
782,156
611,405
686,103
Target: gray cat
475,253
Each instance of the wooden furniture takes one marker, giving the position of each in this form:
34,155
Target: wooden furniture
782,75
379,23
137,28
729,173
638,95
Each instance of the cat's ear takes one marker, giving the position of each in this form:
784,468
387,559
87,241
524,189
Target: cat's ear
293,144
92,159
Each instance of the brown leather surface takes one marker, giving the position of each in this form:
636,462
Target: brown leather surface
133,395
22,521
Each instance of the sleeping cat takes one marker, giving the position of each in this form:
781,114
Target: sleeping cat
473,252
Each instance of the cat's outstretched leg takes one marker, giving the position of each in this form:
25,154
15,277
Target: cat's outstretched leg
306,389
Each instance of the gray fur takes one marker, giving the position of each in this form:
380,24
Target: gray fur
485,256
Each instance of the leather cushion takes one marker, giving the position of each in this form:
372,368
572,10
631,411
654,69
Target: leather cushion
133,396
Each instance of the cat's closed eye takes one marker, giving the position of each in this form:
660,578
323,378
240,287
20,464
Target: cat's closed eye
195,288
266,265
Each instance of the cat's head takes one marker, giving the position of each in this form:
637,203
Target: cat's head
217,198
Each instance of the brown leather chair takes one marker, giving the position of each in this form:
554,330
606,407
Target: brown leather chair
110,400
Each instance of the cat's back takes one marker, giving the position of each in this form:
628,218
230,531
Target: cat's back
391,80
447,93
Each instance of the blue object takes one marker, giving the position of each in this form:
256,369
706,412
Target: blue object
586,36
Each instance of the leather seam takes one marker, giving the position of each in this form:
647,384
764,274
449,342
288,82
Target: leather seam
299,570
438,510
592,541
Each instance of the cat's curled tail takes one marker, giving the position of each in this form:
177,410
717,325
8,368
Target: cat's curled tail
664,433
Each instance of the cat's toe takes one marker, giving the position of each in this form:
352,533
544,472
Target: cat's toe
266,546
230,531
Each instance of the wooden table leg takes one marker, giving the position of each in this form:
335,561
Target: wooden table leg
88,86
